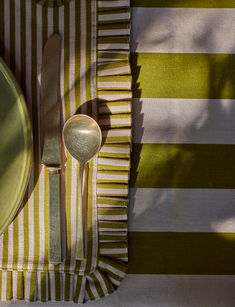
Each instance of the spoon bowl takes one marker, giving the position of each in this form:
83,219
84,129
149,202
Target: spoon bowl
82,138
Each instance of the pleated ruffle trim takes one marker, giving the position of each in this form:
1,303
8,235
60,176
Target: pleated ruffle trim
57,286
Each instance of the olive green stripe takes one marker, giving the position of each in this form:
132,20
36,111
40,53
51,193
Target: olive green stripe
2,22
0,284
43,281
9,286
89,220
89,292
20,285
57,287
181,253
67,115
66,60
23,45
46,221
26,230
77,289
114,26
68,210
32,286
183,166
12,35
112,202
113,10
67,287
44,22
15,243
77,53
184,3
112,225
5,250
35,129
183,75
97,286
89,97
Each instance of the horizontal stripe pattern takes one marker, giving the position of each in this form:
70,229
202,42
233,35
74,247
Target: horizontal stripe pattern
176,30
183,166
181,210
197,121
184,3
183,75
181,253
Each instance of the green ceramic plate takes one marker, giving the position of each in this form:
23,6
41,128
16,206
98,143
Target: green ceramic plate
15,146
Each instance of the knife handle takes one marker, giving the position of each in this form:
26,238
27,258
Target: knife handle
54,216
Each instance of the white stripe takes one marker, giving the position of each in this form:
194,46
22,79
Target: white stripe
113,251
111,229
7,31
95,115
182,210
42,173
92,287
73,212
118,150
203,121
115,109
14,284
82,290
27,285
29,98
115,96
112,191
116,133
83,55
10,246
103,84
63,156
114,71
183,30
52,285
113,46
112,269
112,217
116,3
61,28
4,286
18,41
116,162
112,233
118,16
72,58
20,240
101,280
39,288
114,281
111,177
113,32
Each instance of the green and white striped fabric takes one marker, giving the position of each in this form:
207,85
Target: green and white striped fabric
96,80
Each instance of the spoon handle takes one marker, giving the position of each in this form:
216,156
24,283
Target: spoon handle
79,239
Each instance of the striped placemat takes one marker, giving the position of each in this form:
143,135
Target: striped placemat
95,80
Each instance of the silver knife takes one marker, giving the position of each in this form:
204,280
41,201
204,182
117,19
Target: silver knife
50,106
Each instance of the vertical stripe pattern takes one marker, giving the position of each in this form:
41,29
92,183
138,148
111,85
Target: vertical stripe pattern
91,67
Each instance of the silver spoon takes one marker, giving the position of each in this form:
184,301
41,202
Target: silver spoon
82,138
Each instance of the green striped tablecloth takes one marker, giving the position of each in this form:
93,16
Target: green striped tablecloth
95,79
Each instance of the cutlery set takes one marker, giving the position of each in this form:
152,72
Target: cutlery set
82,138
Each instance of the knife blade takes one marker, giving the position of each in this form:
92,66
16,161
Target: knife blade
50,106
